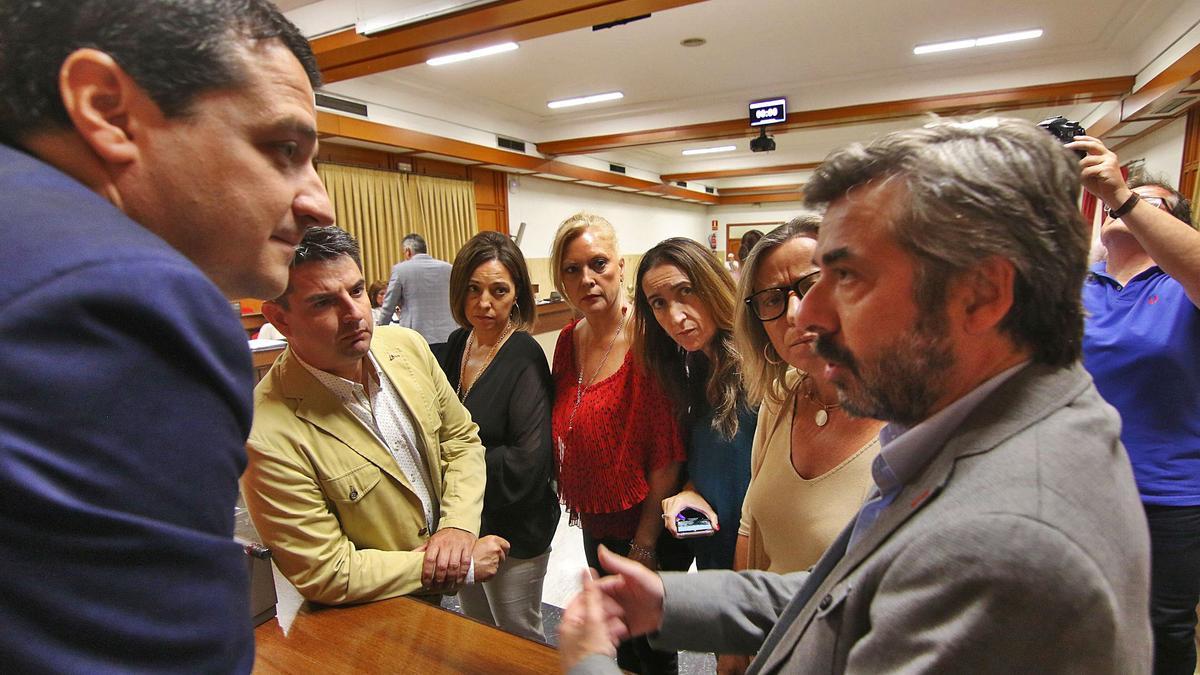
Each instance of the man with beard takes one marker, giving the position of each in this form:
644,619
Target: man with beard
366,473
1004,532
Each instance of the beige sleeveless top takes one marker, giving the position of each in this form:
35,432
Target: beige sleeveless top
791,520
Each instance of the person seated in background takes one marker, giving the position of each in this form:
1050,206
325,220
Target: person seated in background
376,292
500,373
1004,532
1140,343
683,337
366,474
419,289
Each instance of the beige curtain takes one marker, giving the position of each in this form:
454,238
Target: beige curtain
380,207
448,216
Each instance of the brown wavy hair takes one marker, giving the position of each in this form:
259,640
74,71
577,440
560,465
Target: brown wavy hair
660,355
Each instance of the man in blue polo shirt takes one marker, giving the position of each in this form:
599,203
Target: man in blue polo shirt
1141,343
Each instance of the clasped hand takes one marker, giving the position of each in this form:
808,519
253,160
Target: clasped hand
448,556
610,609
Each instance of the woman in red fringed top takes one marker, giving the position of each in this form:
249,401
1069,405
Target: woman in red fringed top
617,441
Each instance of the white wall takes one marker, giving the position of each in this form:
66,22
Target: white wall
1162,151
780,212
641,221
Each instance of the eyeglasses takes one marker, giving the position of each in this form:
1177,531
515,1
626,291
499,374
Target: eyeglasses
1156,202
770,303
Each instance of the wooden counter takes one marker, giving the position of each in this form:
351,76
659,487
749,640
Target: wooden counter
402,635
263,360
252,322
552,316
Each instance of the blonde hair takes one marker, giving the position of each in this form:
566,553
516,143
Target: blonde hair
567,232
763,369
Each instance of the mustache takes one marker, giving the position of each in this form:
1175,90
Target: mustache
826,349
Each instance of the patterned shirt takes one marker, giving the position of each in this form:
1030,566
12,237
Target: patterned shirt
383,413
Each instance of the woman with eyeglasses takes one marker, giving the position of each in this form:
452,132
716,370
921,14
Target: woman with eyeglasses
811,462
1139,344
683,335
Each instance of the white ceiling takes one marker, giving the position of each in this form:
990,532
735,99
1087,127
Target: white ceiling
819,54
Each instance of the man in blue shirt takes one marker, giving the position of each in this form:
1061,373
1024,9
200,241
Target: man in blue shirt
155,159
1142,346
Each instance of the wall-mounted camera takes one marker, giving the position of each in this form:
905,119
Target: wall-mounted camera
763,143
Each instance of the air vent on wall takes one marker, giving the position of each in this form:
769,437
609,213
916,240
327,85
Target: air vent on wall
619,22
681,183
711,191
616,168
327,101
510,144
1174,104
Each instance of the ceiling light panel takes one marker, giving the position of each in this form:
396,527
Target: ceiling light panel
709,151
977,42
473,54
585,100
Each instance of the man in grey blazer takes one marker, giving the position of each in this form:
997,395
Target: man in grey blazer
1004,532
420,287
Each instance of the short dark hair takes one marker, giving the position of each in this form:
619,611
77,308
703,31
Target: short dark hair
748,240
415,243
1181,209
175,50
373,291
320,244
993,187
485,247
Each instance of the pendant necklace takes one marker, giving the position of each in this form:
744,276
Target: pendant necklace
580,387
821,417
462,371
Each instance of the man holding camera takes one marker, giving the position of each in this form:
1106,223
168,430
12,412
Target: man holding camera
1004,532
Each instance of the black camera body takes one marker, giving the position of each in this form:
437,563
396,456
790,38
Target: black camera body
1064,130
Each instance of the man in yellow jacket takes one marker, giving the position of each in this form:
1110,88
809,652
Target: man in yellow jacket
366,474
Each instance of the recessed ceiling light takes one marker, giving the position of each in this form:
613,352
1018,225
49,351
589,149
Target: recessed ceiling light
584,100
693,42
706,151
977,42
473,54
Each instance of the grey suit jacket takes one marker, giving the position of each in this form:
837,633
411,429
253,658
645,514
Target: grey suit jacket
1022,547
421,288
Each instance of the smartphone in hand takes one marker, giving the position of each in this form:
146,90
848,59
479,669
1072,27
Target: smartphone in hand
693,523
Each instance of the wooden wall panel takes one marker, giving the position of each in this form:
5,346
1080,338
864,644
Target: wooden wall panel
491,199
433,167
1191,154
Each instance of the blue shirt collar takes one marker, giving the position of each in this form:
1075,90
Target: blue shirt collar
905,452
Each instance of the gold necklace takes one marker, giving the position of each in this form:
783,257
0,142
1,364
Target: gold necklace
821,417
462,370
580,387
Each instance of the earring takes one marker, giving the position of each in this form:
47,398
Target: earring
767,355
515,311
